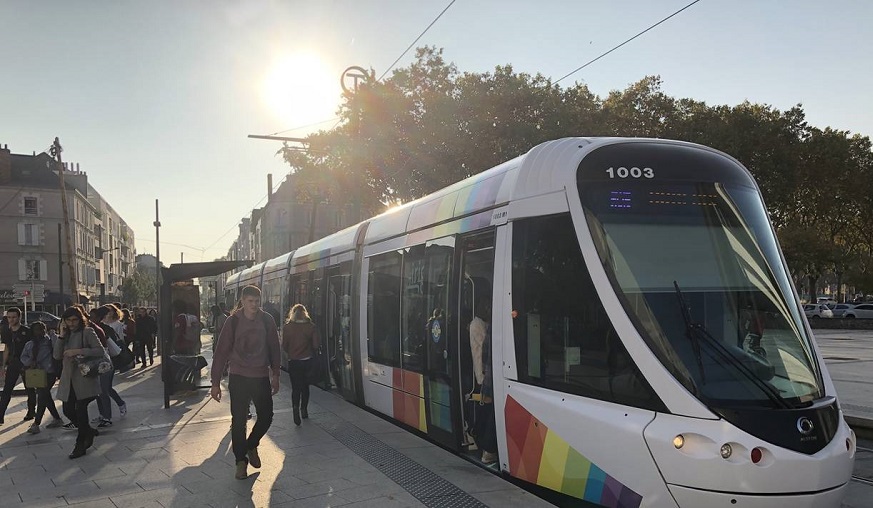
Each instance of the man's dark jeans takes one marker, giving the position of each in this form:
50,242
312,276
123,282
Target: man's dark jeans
242,391
13,371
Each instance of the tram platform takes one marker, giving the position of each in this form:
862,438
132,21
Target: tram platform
180,456
342,456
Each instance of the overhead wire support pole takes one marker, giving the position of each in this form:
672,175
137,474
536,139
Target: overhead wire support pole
71,254
279,138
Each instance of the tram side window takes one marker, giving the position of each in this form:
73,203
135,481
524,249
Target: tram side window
415,308
563,337
383,309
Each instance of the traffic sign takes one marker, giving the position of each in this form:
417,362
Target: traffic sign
32,291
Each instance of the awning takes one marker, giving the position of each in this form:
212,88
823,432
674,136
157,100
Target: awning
54,298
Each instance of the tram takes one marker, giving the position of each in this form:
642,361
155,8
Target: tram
646,344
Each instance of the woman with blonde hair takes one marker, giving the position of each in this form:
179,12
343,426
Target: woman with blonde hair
300,342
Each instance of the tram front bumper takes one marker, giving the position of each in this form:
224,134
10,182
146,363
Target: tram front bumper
692,498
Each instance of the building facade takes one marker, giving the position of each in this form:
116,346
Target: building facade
33,251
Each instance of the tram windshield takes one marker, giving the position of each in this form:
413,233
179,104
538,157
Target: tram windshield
697,269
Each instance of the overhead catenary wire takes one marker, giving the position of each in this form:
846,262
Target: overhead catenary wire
275,187
416,40
304,126
586,64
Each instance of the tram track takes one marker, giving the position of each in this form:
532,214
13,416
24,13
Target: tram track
861,479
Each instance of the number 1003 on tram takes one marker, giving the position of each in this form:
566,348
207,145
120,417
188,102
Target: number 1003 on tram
610,320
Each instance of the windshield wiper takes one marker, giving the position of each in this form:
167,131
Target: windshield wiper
689,332
695,330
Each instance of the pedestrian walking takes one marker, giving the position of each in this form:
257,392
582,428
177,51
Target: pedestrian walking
106,318
300,342
78,342
129,327
144,336
249,348
14,336
37,354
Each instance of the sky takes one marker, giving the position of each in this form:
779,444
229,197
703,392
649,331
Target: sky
155,100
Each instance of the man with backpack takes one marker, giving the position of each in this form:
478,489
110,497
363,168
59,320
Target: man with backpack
186,330
249,347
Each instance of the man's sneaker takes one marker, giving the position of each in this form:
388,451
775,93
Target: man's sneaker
104,423
96,419
122,409
55,423
70,426
29,416
254,459
241,470
33,429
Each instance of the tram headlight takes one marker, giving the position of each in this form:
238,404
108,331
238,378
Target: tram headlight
679,441
726,451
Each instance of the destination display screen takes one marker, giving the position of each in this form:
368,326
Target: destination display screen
653,161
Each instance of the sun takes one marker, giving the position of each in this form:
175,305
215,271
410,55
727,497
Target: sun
300,89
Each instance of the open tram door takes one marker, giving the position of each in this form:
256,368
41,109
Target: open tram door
475,296
338,326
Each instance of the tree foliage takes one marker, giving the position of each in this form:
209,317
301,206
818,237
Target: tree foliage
139,288
430,125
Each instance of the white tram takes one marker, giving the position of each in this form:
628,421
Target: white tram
648,347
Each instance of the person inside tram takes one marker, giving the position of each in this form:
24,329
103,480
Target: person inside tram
435,337
484,430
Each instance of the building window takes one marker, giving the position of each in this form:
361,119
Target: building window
32,269
28,234
30,206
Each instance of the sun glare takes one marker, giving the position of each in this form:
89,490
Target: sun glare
300,89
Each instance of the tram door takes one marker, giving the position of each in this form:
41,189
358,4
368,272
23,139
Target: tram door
476,254
339,323
434,276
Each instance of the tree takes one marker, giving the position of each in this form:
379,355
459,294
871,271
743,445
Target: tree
139,288
429,125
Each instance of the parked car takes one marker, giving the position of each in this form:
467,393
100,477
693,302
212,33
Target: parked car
51,321
817,310
862,311
840,309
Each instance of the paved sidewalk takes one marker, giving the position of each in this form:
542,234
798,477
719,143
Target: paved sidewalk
155,457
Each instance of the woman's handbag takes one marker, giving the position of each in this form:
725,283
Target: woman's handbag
113,348
92,366
35,378
316,371
123,361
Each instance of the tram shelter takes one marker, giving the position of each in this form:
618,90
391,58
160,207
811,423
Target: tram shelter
170,291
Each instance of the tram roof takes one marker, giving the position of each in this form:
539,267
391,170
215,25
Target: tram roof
278,263
250,275
336,243
543,169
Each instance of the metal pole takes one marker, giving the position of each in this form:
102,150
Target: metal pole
71,254
32,295
165,370
60,270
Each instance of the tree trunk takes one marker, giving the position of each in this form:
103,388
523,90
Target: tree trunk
813,294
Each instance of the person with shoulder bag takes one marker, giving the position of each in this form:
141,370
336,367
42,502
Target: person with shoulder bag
78,344
106,318
40,375
300,342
